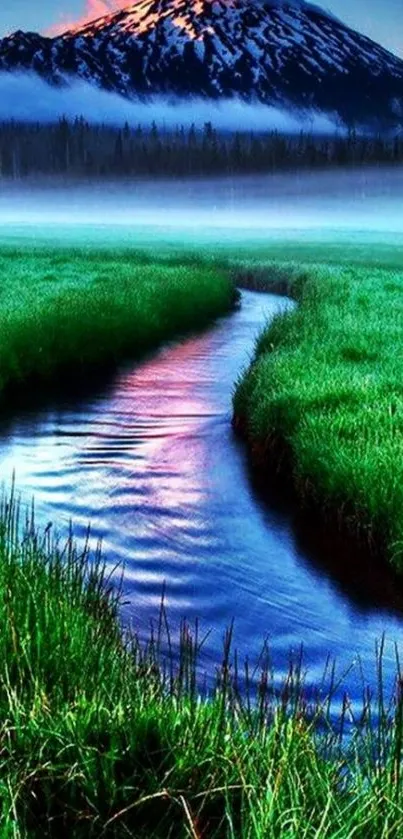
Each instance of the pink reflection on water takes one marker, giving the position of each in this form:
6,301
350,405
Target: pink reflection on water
161,468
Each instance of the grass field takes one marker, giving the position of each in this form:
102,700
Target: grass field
98,736
71,309
327,382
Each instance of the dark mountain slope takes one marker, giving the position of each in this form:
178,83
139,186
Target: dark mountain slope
281,53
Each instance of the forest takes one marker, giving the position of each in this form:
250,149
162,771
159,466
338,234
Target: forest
79,149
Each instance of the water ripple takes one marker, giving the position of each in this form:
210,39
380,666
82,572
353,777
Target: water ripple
152,463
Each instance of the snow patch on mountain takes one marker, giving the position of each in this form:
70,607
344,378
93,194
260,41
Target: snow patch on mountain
301,5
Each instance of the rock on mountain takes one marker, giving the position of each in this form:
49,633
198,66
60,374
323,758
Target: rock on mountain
280,52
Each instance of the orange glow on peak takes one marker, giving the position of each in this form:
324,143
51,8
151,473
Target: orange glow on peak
93,9
139,15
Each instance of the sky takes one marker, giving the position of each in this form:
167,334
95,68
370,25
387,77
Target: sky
381,20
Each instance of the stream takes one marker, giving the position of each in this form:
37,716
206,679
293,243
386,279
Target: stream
151,460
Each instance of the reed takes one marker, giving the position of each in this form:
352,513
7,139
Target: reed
104,735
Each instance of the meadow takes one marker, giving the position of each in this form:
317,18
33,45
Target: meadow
71,310
325,396
104,736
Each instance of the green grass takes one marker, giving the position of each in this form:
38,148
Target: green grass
100,736
72,309
99,739
327,381
305,245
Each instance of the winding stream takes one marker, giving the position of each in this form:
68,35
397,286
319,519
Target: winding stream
151,461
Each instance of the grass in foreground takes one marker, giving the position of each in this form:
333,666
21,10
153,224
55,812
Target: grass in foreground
327,381
71,309
98,739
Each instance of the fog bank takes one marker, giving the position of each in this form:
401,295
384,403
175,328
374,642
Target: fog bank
345,200
26,97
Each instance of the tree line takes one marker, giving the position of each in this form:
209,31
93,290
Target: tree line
77,148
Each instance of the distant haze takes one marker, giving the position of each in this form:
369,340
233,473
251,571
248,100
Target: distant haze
19,91
352,201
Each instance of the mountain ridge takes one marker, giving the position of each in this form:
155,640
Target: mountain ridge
287,53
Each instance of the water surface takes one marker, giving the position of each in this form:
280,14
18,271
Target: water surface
152,461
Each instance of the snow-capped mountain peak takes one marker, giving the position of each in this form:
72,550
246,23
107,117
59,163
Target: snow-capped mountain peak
282,52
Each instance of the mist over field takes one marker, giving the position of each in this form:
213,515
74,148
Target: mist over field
26,97
367,199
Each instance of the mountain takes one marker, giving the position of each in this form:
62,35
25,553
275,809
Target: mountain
287,53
